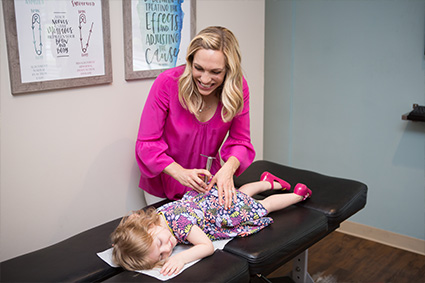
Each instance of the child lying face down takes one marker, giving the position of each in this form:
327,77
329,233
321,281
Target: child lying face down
146,239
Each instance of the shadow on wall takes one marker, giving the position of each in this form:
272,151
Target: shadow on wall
411,149
134,192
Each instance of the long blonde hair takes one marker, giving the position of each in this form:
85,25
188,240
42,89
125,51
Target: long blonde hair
220,39
131,240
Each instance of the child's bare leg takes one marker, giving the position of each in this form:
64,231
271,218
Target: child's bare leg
280,201
267,182
254,188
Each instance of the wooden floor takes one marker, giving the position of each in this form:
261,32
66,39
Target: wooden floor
343,258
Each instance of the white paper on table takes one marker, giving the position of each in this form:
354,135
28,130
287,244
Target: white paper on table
106,256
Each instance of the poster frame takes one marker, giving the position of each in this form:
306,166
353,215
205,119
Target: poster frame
19,87
130,72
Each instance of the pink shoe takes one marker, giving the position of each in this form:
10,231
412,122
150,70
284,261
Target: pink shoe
266,176
302,190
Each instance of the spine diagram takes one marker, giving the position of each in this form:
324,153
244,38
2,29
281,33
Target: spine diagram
36,21
82,22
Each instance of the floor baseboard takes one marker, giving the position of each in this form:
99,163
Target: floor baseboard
384,237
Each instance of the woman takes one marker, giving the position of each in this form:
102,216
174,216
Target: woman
197,110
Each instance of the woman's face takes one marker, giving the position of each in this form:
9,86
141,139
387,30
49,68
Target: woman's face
208,70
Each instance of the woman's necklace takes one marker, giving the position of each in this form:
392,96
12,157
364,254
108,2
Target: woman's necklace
204,108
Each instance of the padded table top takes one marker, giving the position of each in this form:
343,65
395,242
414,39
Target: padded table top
72,260
294,230
337,198
219,267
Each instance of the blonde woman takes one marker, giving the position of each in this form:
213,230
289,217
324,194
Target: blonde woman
192,111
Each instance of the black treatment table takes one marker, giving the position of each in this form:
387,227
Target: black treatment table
249,259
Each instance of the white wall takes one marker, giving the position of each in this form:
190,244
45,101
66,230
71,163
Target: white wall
338,77
67,156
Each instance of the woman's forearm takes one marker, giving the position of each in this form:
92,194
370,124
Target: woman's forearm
232,164
173,169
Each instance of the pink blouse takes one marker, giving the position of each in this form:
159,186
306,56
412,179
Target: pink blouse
169,133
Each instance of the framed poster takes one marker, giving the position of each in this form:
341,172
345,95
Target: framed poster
156,35
57,44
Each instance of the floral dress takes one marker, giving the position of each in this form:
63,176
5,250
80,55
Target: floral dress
244,218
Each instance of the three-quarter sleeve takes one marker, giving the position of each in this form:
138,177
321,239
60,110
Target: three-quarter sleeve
238,143
151,148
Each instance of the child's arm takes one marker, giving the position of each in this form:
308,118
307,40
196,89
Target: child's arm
202,247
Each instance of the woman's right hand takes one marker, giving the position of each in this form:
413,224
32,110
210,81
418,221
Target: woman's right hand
192,178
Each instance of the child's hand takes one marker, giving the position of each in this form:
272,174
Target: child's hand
202,247
173,266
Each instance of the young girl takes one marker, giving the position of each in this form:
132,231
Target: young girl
146,239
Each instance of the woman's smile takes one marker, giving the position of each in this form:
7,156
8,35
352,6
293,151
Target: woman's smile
204,86
208,70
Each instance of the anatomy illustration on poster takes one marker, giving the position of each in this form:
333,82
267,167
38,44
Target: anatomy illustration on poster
36,33
59,39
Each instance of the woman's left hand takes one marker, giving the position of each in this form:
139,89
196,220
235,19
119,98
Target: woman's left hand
224,181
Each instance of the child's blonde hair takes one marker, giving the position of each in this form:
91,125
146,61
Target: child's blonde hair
131,240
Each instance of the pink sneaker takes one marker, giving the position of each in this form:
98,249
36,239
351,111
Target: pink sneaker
302,190
269,177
